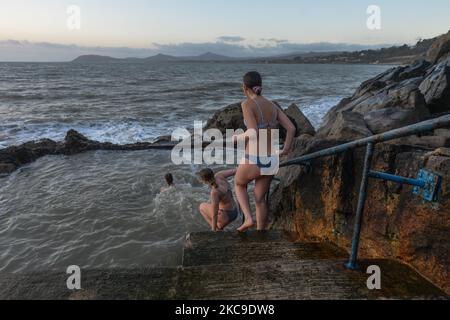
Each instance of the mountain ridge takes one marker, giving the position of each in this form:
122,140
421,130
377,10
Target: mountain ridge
208,56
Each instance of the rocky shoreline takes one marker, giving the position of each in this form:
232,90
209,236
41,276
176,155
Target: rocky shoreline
397,225
14,157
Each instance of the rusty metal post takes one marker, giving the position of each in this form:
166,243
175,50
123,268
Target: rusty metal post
352,264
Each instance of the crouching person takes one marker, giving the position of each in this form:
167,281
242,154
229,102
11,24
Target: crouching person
222,209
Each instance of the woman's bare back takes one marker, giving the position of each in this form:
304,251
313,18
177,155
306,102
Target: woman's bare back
226,196
269,113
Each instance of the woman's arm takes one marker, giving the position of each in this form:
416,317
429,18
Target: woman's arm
227,173
287,124
215,203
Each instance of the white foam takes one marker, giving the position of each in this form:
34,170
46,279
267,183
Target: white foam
114,132
316,111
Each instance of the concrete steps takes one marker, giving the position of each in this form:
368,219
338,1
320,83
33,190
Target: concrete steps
232,266
308,279
233,248
271,265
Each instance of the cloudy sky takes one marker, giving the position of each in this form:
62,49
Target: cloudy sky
44,30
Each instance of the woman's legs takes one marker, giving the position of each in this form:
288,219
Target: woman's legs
246,173
261,188
206,210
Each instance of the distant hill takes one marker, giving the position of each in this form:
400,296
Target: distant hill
209,56
161,58
95,59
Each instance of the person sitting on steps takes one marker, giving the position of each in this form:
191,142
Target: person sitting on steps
222,210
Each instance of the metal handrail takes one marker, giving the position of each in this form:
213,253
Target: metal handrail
370,143
420,127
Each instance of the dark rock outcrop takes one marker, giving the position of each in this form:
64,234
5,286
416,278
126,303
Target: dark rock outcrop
399,97
394,118
436,87
414,71
385,92
346,126
424,142
440,49
232,117
301,122
14,157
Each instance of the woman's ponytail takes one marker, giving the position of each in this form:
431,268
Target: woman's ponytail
257,90
214,184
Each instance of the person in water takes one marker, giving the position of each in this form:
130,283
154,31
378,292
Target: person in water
222,210
260,117
169,180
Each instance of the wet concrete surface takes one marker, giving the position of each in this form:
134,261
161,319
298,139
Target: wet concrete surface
238,267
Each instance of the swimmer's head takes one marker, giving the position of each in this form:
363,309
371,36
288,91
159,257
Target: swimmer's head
207,176
169,179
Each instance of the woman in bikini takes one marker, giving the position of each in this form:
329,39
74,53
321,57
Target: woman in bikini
222,210
261,116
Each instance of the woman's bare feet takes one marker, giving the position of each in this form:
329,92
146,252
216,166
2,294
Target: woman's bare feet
248,224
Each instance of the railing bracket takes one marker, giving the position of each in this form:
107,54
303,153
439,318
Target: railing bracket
433,183
427,185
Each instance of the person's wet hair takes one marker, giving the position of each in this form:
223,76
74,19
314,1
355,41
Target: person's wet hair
169,179
208,176
253,81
